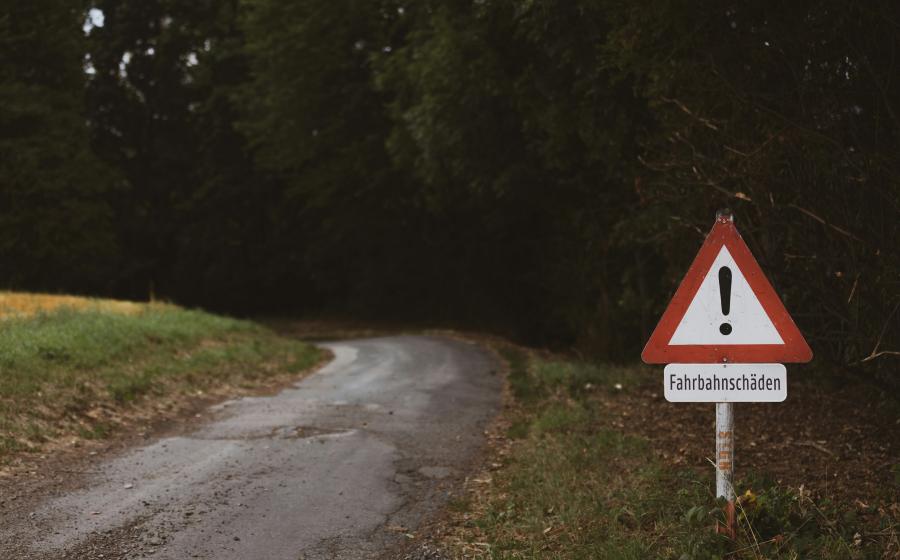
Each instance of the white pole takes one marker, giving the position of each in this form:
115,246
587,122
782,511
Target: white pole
725,440
725,451
725,461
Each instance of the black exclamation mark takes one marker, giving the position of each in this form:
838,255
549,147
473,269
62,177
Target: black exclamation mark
725,296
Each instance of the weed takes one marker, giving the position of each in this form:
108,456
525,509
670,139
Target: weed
98,430
575,487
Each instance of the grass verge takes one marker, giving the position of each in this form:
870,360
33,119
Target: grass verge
575,482
79,371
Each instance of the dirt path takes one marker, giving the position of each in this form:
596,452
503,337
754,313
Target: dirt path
345,464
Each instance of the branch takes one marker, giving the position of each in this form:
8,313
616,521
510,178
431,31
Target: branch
824,223
875,353
706,122
879,354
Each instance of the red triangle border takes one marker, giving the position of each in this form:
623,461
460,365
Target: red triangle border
794,350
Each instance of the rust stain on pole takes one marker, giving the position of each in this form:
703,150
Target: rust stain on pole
725,462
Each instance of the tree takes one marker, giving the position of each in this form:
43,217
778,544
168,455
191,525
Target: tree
140,98
788,113
55,219
161,103
315,122
523,143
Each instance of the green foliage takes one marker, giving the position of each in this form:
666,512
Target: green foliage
545,168
532,380
572,487
559,417
86,340
520,380
55,367
160,110
786,114
502,111
340,217
55,218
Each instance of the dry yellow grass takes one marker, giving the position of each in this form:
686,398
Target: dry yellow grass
25,304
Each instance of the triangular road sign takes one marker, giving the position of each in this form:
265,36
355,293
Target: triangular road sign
725,310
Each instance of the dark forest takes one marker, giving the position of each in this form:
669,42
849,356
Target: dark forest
545,169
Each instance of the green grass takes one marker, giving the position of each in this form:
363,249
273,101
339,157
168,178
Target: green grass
57,369
574,486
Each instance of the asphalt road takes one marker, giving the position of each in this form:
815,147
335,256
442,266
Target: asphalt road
345,464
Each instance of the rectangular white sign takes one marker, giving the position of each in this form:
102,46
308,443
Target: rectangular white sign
725,382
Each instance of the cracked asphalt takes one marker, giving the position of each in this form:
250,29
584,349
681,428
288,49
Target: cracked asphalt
347,463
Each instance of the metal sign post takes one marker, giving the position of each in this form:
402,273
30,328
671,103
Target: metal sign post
724,337
725,462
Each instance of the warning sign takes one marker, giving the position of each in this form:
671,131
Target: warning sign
725,383
725,311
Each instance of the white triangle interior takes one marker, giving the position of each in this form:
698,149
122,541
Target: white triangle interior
749,322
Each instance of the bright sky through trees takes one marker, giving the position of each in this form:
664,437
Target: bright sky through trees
94,19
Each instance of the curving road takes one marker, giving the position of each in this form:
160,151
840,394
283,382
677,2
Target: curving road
344,464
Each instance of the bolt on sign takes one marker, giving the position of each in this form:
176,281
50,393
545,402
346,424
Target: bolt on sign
724,337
